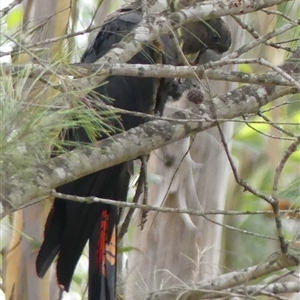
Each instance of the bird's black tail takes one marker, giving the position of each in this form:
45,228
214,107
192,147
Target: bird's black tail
102,257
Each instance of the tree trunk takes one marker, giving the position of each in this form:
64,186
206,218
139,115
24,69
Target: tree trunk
50,19
178,249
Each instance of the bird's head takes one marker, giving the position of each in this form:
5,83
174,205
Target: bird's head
199,36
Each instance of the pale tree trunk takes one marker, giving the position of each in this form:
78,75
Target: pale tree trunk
48,19
178,249
106,7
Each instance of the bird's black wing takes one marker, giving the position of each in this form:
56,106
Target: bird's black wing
71,224
117,25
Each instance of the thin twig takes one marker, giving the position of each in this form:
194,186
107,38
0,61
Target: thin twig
4,11
275,125
291,149
281,14
266,134
144,159
139,190
191,212
258,41
93,199
240,181
173,177
95,14
255,34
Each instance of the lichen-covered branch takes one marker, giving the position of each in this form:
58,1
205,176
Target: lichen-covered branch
224,283
151,28
38,181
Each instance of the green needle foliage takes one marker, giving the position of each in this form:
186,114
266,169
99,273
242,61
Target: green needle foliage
32,119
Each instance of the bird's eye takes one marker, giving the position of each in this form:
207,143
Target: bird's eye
214,37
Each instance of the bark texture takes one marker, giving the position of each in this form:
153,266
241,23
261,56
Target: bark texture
192,173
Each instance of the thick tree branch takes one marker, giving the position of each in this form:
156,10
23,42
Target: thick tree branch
38,181
151,27
189,14
226,281
158,71
213,9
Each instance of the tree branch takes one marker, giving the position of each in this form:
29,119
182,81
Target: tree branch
38,181
4,11
208,288
156,71
151,27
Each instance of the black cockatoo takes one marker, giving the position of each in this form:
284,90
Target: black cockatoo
71,224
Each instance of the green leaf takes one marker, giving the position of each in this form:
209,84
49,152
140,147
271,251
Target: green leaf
245,68
15,18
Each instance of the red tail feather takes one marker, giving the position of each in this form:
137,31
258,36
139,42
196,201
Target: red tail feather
106,249
101,245
102,271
